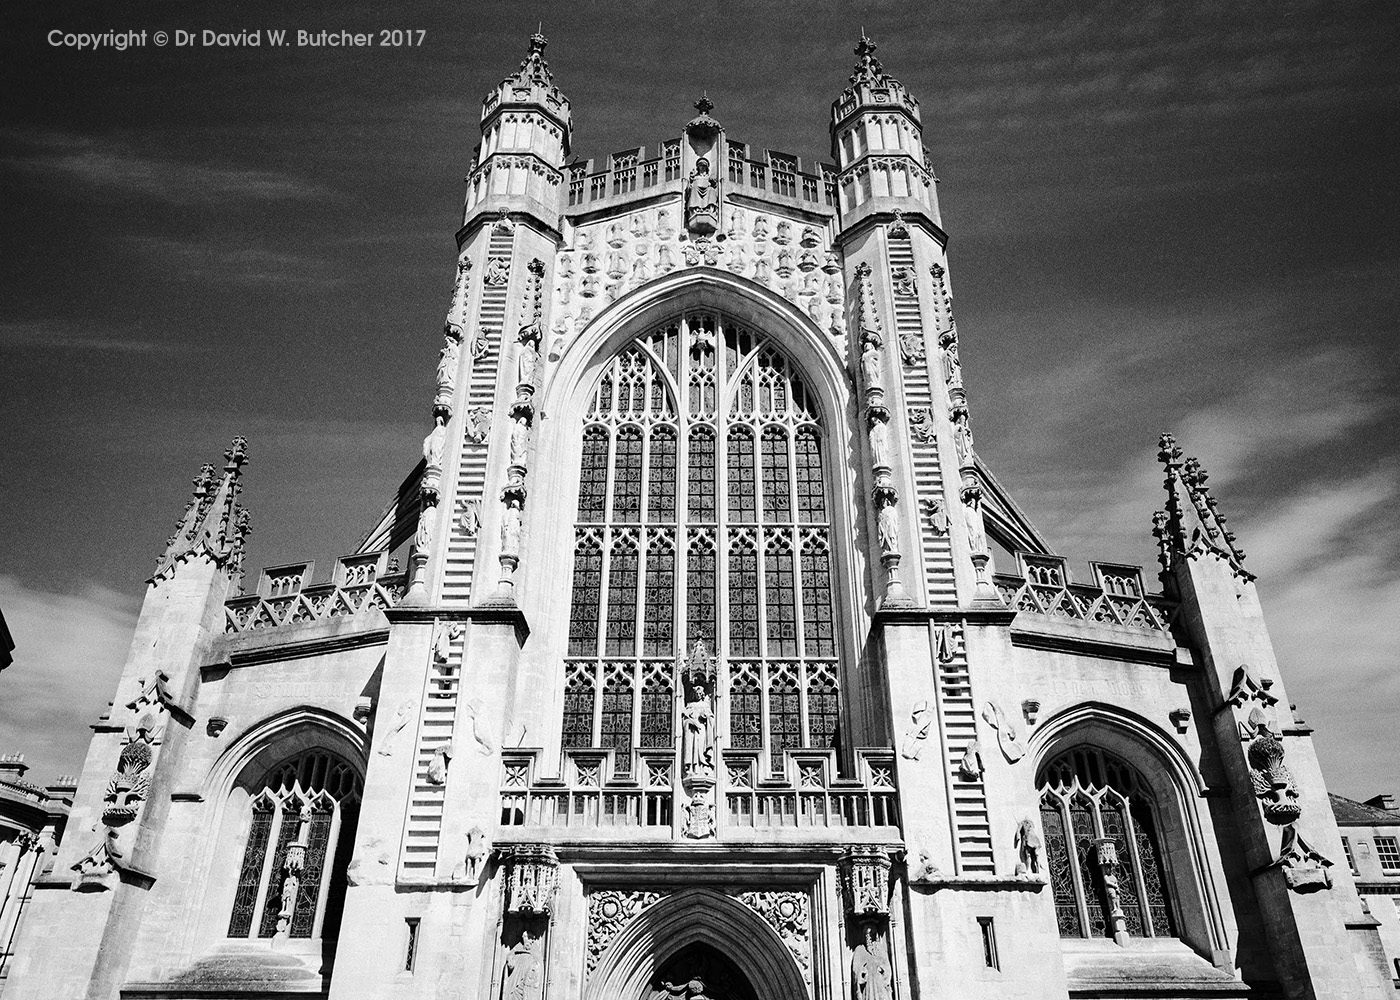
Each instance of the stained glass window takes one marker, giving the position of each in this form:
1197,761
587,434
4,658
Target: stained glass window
305,806
578,705
1089,797
658,707
737,554
617,715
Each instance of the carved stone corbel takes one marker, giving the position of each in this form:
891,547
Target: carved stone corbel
865,881
533,879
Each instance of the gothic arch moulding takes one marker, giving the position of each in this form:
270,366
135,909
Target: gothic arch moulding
694,289
282,735
704,916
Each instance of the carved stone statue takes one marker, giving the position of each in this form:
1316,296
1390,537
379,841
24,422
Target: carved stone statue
497,271
510,531
519,441
870,360
665,257
972,518
526,364
474,861
447,370
437,767
1028,846
701,200
888,527
698,716
523,979
617,264
937,513
760,227
922,720
663,225
871,978
911,349
970,767
433,444
423,537
879,442
478,345
616,235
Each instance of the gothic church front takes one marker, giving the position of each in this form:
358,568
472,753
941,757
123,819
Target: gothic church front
701,656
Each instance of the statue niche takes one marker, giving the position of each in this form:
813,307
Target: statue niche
702,200
698,716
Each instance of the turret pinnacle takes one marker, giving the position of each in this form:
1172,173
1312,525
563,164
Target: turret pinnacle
868,69
533,70
214,524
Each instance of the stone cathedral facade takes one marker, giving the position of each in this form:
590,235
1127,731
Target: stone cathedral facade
702,656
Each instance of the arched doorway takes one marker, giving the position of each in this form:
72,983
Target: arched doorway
699,971
699,925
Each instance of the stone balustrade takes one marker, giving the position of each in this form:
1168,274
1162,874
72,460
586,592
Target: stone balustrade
808,796
1081,602
358,586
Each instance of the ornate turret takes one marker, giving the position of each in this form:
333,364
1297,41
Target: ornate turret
214,524
877,142
525,135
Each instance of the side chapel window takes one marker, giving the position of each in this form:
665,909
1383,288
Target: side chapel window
301,828
702,515
1089,798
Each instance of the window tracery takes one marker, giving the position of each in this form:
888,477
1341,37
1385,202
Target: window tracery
1089,797
291,882
702,475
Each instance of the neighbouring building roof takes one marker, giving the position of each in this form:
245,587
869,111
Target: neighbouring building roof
1349,812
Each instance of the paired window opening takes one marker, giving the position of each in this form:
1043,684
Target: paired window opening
301,823
1102,848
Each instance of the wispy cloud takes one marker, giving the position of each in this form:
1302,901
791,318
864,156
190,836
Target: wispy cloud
228,259
65,336
69,652
113,164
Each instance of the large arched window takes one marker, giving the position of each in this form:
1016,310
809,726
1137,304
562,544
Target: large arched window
1102,848
702,514
300,830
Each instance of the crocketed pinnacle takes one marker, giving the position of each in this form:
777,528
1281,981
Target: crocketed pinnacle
534,70
868,69
214,524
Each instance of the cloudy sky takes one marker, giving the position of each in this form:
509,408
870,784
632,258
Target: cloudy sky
1163,216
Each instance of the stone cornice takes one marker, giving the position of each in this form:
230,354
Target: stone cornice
916,216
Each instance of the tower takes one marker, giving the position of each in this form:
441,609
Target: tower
700,679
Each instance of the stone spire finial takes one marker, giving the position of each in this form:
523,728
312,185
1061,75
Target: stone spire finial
1211,531
214,524
702,123
533,69
868,69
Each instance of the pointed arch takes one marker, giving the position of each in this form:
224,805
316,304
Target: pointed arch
688,917
698,288
1188,840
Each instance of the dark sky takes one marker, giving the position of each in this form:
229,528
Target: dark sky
1163,216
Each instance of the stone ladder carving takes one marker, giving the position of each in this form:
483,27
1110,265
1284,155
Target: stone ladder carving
936,545
485,333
